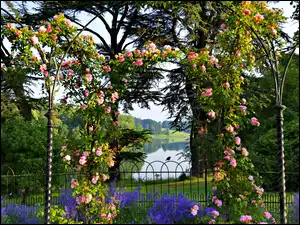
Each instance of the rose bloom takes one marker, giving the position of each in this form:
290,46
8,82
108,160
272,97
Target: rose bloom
100,101
215,213
244,101
223,26
124,80
86,93
104,177
245,218
99,151
203,68
68,22
42,29
85,154
129,54
267,215
212,114
74,183
34,40
95,179
254,121
218,176
227,157
218,202
43,67
245,152
233,162
82,160
237,140
247,12
227,85
208,92
67,158
88,198
108,109
89,77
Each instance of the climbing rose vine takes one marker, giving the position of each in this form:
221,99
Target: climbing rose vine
86,76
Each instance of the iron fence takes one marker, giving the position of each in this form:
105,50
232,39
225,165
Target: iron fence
156,178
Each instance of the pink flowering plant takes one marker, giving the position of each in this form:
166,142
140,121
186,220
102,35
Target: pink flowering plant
237,191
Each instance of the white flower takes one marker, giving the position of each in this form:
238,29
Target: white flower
67,158
250,178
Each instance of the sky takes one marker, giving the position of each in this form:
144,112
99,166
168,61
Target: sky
156,112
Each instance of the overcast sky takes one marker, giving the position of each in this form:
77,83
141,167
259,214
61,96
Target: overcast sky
156,111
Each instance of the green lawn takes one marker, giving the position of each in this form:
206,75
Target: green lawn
173,136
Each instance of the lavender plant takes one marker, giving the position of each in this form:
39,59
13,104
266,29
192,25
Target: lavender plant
18,214
294,213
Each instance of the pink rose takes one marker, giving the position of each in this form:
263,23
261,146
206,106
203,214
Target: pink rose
124,80
43,67
100,101
82,160
68,22
54,37
139,61
227,85
74,183
233,162
129,54
121,59
223,26
95,179
86,93
85,154
88,198
267,215
227,157
254,121
91,128
89,77
49,29
87,70
273,32
34,40
104,177
247,12
215,213
108,109
208,92
203,68
42,29
237,140
245,152
110,87
99,151
212,114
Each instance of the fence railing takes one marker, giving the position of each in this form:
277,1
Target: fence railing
156,178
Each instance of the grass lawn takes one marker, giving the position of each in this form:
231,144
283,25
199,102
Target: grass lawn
173,137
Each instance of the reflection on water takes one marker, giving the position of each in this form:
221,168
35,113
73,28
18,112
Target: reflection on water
157,166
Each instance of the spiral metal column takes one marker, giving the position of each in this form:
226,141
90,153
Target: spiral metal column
49,115
280,143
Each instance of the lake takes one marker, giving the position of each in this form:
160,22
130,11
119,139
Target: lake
157,166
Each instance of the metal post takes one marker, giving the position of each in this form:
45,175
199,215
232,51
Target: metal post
205,177
49,115
280,143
